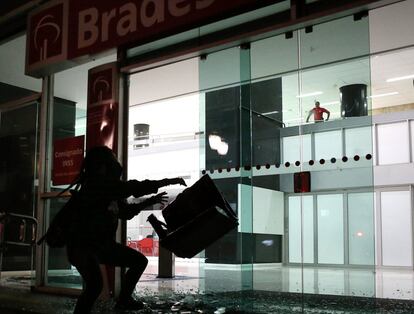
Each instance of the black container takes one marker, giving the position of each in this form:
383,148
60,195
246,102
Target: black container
353,100
141,133
198,217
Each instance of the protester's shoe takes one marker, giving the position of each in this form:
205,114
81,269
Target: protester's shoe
129,305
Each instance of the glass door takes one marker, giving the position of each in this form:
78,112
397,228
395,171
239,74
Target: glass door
163,143
18,187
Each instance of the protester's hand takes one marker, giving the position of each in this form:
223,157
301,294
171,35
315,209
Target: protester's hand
179,181
160,198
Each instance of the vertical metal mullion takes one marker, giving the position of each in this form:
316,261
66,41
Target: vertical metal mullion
313,150
379,226
315,243
412,224
346,228
375,144
285,258
410,149
43,182
344,152
315,232
123,120
346,241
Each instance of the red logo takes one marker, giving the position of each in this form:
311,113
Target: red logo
100,86
102,114
46,34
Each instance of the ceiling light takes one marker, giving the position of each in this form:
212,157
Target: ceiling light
330,103
223,148
309,94
383,95
270,112
214,141
400,78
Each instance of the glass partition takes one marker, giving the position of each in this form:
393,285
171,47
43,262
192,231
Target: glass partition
68,117
335,84
163,142
311,165
19,142
226,153
284,130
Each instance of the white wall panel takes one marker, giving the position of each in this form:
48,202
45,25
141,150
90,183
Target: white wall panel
396,228
393,144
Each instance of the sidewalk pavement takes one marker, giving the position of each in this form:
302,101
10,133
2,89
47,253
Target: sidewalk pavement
23,300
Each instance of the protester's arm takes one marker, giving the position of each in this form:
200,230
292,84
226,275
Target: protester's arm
309,114
117,189
129,211
328,113
165,182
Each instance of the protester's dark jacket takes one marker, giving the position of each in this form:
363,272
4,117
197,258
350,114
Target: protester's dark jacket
101,203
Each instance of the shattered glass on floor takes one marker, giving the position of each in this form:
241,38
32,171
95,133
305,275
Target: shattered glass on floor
270,303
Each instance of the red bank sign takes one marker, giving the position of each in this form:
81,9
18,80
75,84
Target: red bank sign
67,159
65,30
102,107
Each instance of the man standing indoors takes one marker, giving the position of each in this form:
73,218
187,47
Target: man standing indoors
318,112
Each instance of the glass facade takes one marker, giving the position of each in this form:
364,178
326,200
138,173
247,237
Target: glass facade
19,142
323,194
68,120
253,138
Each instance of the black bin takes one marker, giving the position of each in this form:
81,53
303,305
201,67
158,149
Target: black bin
353,100
195,219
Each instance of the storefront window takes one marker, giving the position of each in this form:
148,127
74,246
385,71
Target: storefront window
19,142
69,120
163,137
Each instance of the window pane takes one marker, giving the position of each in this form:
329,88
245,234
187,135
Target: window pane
335,40
295,229
358,141
393,142
391,26
361,228
330,229
396,228
164,82
293,145
274,55
328,145
14,83
220,68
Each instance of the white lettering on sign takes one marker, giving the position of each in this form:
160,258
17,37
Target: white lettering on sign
88,31
176,9
128,17
156,17
202,4
68,163
106,18
128,22
69,153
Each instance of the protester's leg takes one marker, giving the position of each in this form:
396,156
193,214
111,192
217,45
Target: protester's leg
136,263
87,264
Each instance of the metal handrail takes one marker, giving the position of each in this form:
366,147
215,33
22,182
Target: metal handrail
22,229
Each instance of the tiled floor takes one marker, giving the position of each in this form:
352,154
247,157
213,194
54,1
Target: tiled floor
194,275
278,289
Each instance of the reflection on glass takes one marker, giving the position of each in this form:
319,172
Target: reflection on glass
393,145
361,228
301,221
330,229
396,228
59,272
296,148
328,145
